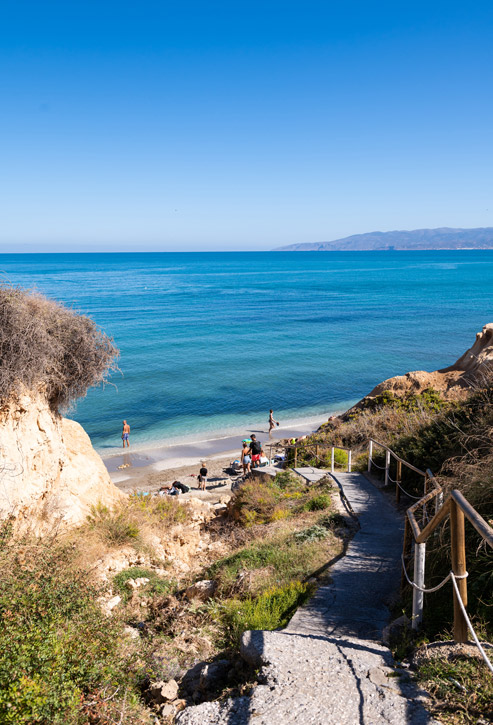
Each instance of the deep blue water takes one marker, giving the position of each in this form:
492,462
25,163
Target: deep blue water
210,341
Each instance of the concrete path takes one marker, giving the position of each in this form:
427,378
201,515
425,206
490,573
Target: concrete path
328,665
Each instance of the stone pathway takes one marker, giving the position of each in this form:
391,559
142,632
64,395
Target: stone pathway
329,665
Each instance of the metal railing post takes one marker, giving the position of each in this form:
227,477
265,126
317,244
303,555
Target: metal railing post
332,460
419,579
387,466
349,461
370,453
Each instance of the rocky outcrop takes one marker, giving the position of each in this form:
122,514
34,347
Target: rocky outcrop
50,475
453,382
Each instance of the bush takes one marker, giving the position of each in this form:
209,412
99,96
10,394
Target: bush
58,651
46,346
156,584
270,610
114,527
311,534
159,509
318,503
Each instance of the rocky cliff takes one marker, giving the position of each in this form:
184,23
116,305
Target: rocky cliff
453,382
50,475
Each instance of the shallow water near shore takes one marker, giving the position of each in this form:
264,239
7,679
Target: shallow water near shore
210,342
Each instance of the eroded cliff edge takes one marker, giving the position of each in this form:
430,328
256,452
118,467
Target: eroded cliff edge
50,474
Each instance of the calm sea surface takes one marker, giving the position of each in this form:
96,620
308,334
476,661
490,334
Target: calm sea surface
209,342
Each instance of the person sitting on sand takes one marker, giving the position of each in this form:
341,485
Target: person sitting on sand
246,458
272,422
125,433
256,451
202,477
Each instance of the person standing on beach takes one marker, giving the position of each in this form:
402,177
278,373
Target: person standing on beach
256,449
272,422
246,458
202,477
125,433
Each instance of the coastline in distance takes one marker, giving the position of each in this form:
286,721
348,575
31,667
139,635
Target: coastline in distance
417,239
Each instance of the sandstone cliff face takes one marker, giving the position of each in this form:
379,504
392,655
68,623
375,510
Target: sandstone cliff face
50,475
455,381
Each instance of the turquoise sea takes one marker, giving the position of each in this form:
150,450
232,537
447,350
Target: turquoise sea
210,341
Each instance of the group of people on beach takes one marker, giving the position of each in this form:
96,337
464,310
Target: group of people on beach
251,451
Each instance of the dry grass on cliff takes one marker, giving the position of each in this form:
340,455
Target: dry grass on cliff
47,346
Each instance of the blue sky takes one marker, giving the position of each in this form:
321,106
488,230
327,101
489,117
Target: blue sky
240,125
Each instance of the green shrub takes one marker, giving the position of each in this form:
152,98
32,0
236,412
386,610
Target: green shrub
114,527
270,610
332,521
57,648
341,458
159,509
318,503
313,533
156,584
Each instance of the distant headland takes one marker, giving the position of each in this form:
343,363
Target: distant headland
417,239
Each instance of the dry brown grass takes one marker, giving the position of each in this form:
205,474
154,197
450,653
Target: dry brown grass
47,346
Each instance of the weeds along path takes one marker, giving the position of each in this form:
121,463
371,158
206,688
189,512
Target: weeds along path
328,665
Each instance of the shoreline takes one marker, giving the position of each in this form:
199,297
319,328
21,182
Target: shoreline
145,462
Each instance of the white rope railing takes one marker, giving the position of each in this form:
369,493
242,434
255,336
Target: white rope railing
453,577
416,498
473,633
433,589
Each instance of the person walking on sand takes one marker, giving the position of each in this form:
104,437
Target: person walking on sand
256,450
125,433
272,422
246,458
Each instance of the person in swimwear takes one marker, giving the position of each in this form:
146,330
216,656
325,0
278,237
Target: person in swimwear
246,458
125,433
272,422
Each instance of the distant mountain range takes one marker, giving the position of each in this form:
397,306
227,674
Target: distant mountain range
443,238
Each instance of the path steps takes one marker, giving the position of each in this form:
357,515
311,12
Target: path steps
329,666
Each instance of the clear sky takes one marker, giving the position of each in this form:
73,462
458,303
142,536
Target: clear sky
206,125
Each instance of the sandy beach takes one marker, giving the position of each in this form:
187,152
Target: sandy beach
147,470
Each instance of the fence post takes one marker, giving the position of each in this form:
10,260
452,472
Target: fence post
349,461
332,460
295,456
405,549
387,466
370,453
458,567
419,579
398,479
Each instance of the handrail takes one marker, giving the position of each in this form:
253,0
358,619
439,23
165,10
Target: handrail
396,457
427,475
457,507
295,447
